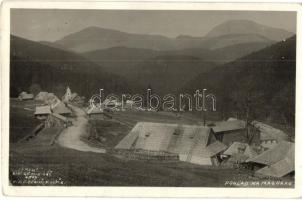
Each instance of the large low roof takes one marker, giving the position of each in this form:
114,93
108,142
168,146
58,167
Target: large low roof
282,167
185,140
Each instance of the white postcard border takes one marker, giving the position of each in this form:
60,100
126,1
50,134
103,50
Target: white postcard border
144,191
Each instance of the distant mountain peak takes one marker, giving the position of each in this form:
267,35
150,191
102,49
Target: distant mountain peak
228,33
97,28
248,27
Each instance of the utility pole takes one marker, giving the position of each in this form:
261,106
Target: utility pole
247,117
246,123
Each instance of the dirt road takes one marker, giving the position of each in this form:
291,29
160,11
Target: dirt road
71,137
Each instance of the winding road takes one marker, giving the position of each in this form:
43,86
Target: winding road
71,136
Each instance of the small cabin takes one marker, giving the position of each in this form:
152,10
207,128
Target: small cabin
230,131
42,112
23,96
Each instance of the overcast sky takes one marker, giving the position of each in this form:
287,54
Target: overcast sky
51,25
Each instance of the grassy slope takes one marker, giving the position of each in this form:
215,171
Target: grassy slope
79,168
22,121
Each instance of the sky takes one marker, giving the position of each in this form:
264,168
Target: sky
51,25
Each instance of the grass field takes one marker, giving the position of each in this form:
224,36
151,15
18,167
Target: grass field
22,120
92,169
37,162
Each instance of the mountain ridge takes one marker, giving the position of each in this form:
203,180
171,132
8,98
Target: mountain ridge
54,69
96,38
248,26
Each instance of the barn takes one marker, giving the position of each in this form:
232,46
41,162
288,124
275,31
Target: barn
269,136
230,131
194,144
276,162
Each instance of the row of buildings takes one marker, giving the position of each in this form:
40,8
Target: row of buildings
54,115
257,146
51,109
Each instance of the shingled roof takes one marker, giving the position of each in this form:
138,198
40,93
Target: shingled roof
215,148
42,110
191,142
246,150
234,148
25,96
230,125
280,165
60,108
42,96
268,132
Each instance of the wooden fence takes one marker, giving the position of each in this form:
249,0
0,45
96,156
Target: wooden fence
140,154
